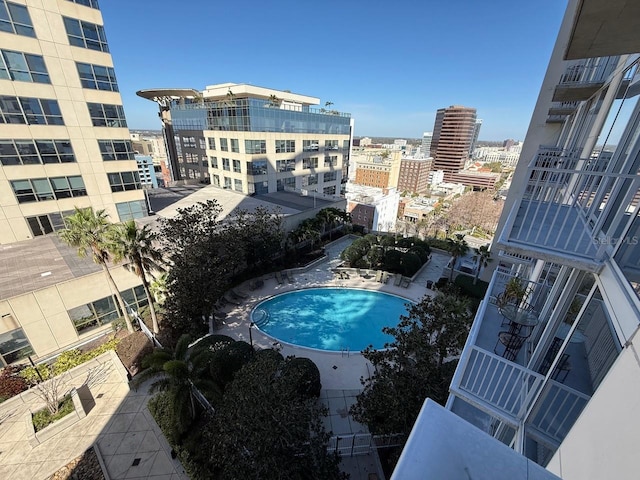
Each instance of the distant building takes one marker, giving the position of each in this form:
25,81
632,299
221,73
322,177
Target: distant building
374,170
365,142
476,133
146,171
373,208
452,138
414,175
477,180
436,177
425,147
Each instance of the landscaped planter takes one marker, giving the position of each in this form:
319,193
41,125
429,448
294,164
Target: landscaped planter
36,438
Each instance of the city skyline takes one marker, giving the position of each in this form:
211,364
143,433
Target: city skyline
391,76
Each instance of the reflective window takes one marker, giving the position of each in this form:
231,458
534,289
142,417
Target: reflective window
30,111
331,161
330,176
286,165
252,147
212,143
105,115
87,3
86,35
116,150
14,346
23,67
48,223
225,164
97,77
310,145
310,162
329,190
30,152
237,185
285,146
131,210
257,167
223,145
214,162
236,166
122,181
15,18
235,147
42,189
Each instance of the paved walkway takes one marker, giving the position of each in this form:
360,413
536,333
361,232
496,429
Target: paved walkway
119,423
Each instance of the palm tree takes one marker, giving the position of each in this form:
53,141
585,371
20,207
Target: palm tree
484,258
136,245
181,372
91,232
458,247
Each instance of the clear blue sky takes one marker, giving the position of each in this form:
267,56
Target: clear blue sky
390,64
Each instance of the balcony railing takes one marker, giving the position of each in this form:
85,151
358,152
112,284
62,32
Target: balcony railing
590,70
561,214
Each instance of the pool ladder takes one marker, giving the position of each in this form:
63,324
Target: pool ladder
345,351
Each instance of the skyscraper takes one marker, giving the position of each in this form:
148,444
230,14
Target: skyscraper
550,366
474,140
65,144
452,138
425,148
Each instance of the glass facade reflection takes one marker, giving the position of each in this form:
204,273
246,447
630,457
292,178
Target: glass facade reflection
255,115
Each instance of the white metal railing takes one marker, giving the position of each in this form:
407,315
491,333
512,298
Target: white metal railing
590,70
503,385
564,202
556,411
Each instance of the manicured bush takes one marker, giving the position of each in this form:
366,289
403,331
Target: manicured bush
411,263
303,376
393,261
43,418
228,360
11,383
468,288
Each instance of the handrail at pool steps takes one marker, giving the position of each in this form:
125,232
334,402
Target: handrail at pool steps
260,317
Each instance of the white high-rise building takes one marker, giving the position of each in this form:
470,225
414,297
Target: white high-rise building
552,370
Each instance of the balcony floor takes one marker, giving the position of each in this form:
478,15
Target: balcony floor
559,230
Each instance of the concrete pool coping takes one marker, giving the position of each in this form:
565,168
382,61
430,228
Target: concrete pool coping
338,370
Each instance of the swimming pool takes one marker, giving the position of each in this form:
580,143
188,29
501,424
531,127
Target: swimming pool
330,318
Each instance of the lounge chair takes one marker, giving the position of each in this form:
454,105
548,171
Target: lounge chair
287,276
239,294
398,280
379,276
256,284
405,282
227,297
385,277
279,278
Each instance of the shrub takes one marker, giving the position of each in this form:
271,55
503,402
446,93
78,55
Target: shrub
393,261
11,383
411,263
303,376
228,360
43,418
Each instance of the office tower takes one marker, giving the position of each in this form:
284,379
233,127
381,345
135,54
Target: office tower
452,138
474,140
65,144
255,140
414,175
425,147
550,366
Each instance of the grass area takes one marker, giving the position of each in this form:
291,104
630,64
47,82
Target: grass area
43,418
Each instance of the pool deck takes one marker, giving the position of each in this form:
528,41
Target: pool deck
338,370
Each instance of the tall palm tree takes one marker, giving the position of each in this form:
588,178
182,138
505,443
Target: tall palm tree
136,245
484,258
458,247
180,371
91,232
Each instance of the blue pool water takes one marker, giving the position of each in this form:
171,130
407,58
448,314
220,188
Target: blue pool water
330,318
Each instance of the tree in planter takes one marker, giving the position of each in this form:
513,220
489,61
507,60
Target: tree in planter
137,246
91,232
458,247
484,258
416,365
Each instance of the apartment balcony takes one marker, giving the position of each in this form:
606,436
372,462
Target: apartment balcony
559,111
583,78
561,214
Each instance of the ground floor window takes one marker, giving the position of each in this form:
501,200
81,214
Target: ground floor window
14,346
131,210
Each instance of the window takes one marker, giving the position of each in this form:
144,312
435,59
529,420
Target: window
345,144
85,34
189,142
23,67
97,77
87,3
286,165
116,150
310,162
223,145
252,147
331,161
94,314
105,115
14,346
48,223
122,181
131,210
329,190
227,182
42,189
331,144
312,179
286,184
15,18
214,162
30,111
201,144
212,143
257,167
285,146
237,185
236,166
310,145
225,164
30,152
235,148
330,176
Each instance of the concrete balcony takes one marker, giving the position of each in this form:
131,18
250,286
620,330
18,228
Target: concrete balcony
583,78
